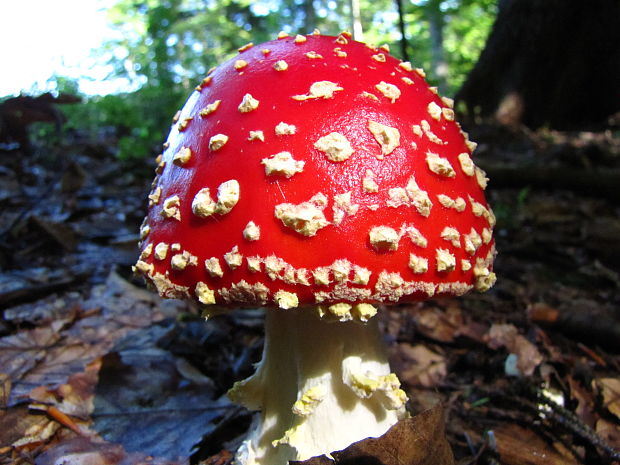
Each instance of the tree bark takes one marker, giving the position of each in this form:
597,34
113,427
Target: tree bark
309,15
436,20
551,62
356,20
401,27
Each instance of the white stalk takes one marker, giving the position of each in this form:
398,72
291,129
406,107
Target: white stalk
320,387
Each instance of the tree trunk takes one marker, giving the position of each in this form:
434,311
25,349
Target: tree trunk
309,15
551,62
401,27
436,20
356,20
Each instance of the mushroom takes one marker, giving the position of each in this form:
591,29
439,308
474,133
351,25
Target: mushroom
319,178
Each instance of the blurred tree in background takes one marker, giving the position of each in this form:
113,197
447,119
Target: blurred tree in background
554,63
165,47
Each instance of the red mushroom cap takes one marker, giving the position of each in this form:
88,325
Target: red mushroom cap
316,170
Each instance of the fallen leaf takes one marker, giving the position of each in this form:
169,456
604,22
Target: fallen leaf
520,446
17,286
585,402
20,353
53,308
37,434
420,440
419,366
58,232
610,390
49,355
73,178
540,312
438,324
610,432
507,335
74,398
223,457
501,335
19,427
5,390
144,403
82,451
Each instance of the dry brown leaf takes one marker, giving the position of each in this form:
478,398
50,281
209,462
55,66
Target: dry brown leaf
5,390
553,353
395,322
610,432
501,335
585,402
73,398
610,390
48,356
37,434
420,440
20,352
58,362
42,312
520,446
419,366
82,451
223,457
473,330
540,312
19,427
507,335
528,355
19,355
440,325
59,232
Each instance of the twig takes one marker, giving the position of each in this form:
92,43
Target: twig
573,423
64,420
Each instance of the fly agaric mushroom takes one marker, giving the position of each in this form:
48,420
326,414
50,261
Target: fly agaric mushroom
317,177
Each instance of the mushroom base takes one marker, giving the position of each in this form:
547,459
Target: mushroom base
320,387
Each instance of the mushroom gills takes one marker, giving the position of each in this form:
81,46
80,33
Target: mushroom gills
320,386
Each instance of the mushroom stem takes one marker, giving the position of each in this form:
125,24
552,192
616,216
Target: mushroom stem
319,387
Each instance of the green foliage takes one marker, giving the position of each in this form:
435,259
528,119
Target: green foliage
172,43
140,120
466,25
64,85
164,48
465,36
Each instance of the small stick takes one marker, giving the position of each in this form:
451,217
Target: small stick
64,420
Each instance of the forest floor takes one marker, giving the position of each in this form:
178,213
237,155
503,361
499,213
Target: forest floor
96,369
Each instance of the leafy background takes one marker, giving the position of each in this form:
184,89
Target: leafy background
167,46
